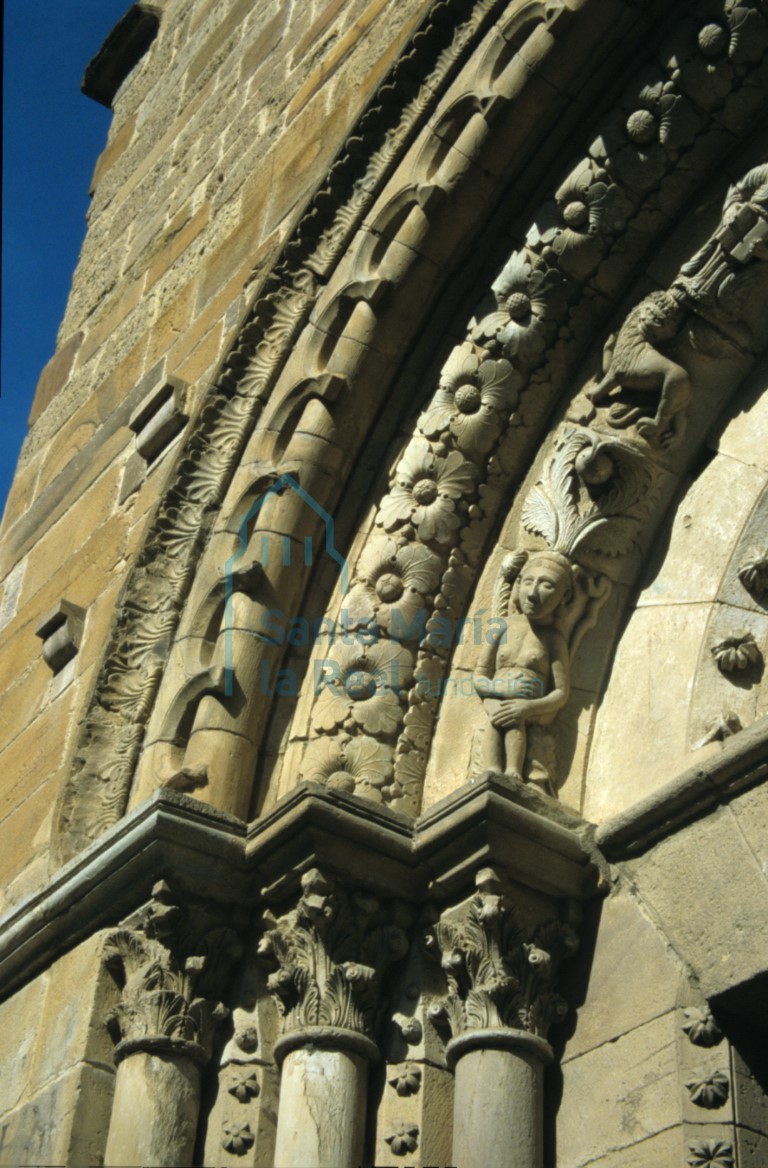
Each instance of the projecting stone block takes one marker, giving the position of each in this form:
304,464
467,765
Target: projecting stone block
60,631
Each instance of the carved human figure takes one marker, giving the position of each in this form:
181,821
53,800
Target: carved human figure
524,672
636,364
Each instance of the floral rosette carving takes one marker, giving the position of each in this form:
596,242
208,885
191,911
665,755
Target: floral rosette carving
587,210
331,953
708,1089
498,975
426,493
361,765
641,139
737,653
395,583
710,1154
754,576
700,1026
473,401
361,687
529,296
707,54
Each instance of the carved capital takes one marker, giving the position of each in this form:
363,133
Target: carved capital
500,975
169,963
331,953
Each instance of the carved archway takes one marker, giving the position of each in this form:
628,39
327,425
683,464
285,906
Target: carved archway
447,145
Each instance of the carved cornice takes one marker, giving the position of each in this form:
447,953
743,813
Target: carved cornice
500,974
332,952
170,964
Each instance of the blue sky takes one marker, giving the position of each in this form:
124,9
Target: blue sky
52,136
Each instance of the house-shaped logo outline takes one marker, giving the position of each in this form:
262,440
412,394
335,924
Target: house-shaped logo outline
275,488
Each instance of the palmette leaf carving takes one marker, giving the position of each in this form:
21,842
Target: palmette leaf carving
331,954
591,497
499,974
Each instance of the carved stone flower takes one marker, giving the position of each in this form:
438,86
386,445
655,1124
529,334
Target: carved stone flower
245,1085
425,492
710,1154
641,142
361,765
708,52
701,1027
393,586
736,653
403,1138
754,575
238,1138
472,401
527,297
362,683
587,209
708,1089
407,1081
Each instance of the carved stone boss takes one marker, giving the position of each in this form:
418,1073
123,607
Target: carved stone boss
497,1013
331,952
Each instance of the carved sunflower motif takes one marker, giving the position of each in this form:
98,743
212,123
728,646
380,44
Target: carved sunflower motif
362,683
426,491
472,401
527,297
587,208
361,765
708,1090
393,584
403,1138
710,1154
736,653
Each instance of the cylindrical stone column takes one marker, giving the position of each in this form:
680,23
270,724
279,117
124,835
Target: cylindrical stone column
156,1104
499,1098
323,1086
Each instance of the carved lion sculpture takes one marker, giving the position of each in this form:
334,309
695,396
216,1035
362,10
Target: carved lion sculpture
636,364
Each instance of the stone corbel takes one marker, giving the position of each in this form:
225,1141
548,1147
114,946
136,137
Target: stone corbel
60,631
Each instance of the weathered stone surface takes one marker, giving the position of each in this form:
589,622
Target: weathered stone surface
620,1093
631,977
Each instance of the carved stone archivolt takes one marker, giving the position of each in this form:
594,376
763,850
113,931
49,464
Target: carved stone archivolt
468,446
331,953
500,974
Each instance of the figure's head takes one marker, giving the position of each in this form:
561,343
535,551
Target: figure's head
544,586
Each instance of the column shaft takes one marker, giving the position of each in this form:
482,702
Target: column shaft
321,1118
154,1112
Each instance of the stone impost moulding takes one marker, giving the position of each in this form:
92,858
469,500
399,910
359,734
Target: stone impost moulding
345,881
